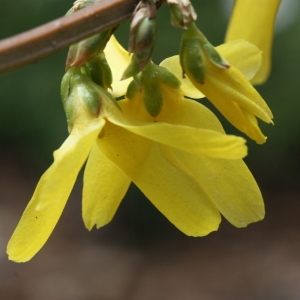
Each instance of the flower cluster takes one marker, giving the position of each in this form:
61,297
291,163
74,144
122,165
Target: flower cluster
157,136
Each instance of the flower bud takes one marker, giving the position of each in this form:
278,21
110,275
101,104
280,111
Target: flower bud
142,37
182,13
87,49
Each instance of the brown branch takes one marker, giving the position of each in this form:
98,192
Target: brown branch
44,40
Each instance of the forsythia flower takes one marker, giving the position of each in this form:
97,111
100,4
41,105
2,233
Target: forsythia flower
253,20
228,89
180,159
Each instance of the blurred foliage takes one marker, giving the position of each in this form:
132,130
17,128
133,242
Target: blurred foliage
32,121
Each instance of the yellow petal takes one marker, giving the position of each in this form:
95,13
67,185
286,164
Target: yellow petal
193,140
228,184
253,20
172,191
232,94
118,59
105,185
188,110
244,56
241,54
51,194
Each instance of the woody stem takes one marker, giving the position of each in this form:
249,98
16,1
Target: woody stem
51,37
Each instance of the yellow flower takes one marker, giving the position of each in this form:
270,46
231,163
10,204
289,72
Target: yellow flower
253,20
181,160
178,155
229,89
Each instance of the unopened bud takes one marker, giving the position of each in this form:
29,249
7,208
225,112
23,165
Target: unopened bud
142,37
86,50
182,13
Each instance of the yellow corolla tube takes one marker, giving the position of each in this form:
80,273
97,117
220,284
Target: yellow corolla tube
253,20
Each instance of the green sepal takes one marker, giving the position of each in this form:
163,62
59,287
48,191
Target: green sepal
152,98
91,94
214,56
132,69
67,100
100,71
150,82
78,89
168,78
87,92
191,58
132,89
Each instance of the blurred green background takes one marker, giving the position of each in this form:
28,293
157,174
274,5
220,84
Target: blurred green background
140,255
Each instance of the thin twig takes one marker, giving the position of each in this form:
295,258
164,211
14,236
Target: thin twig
44,40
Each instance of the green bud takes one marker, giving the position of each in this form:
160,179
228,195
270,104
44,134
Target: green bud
100,71
142,37
182,13
145,39
86,50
